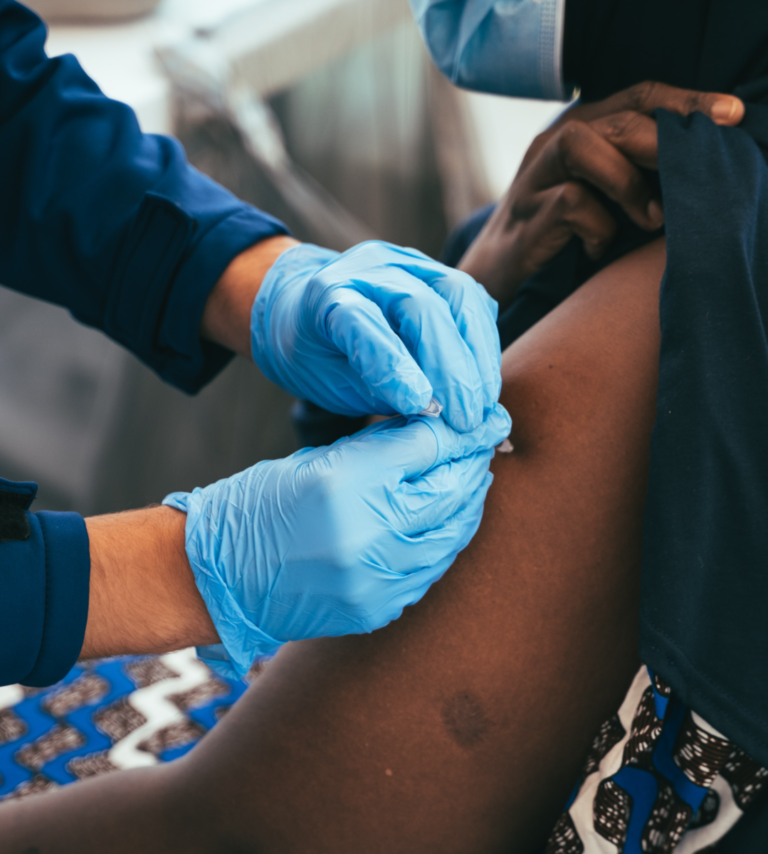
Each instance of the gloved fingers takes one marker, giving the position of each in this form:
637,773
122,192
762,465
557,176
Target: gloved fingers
427,502
423,319
473,309
359,329
444,543
408,449
475,313
438,556
411,590
394,423
453,445
415,313
385,453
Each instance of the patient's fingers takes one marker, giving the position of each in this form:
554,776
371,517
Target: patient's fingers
568,209
649,96
578,151
634,134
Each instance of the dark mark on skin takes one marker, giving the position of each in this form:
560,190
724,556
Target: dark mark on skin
464,719
34,850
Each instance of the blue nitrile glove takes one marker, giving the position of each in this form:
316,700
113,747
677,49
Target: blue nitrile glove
379,329
335,540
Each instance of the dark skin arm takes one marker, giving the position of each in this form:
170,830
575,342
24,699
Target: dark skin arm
552,199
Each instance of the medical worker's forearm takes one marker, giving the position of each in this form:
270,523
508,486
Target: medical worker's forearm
143,597
227,316
107,221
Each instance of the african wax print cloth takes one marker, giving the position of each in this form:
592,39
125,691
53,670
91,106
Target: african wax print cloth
108,715
658,779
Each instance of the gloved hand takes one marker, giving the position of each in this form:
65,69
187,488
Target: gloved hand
335,540
378,329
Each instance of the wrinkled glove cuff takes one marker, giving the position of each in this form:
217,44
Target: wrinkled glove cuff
242,642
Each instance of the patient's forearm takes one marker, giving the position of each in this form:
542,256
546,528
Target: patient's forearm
460,728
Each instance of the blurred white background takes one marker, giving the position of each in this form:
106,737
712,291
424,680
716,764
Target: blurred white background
326,113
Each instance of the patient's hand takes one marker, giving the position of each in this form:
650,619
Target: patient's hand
552,198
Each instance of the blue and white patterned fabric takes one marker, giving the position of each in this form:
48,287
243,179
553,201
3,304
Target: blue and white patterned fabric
658,779
507,47
108,715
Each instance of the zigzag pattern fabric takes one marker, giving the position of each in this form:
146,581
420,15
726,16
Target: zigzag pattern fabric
108,715
658,779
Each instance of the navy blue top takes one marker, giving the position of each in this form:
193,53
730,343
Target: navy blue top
705,540
116,226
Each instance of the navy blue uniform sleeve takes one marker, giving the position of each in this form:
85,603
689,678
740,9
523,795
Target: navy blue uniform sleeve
109,222
44,578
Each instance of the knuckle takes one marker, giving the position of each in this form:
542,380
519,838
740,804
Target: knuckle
521,208
347,559
570,197
539,141
331,489
625,182
570,133
354,598
569,148
694,102
642,95
620,126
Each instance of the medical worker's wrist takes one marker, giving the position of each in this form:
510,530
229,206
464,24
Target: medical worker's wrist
227,316
143,596
241,640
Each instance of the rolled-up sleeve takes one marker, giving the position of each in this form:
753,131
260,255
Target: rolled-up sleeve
109,222
505,47
44,579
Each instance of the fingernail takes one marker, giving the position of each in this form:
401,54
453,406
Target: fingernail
725,110
655,213
506,447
